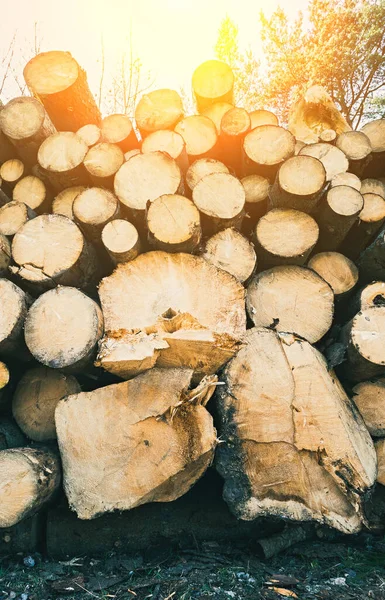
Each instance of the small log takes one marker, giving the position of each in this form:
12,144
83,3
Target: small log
32,191
102,162
173,224
299,184
130,154
348,179
4,396
232,252
291,299
62,329
50,250
56,79
369,397
202,167
380,450
265,148
121,240
357,148
373,186
285,237
370,220
13,216
29,479
160,109
93,209
61,158
63,203
333,159
26,124
338,270
257,192
234,126
144,178
200,136
336,215
212,82
262,117
294,445
35,399
11,171
15,305
370,295
5,254
170,142
375,131
117,129
298,147
329,136
220,197
10,434
215,112
90,134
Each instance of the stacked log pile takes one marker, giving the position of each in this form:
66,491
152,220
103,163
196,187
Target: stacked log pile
183,280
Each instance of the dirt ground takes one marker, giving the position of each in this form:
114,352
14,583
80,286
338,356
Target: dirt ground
311,570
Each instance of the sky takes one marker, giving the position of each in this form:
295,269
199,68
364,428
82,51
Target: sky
171,37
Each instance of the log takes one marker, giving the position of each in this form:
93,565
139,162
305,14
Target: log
338,270
10,434
371,295
102,162
160,109
130,154
63,202
4,198
373,186
348,179
200,136
370,220
294,446
13,216
357,148
90,134
50,250
329,136
11,171
336,215
144,178
202,167
291,299
231,251
61,158
117,129
5,254
375,131
257,192
56,79
29,479
380,450
285,237
173,224
154,313
369,397
371,263
220,197
15,305
215,112
62,329
121,240
156,420
26,124
234,126
212,82
25,537
35,399
170,142
299,184
332,158
363,340
4,380
265,148
7,150
262,117
32,191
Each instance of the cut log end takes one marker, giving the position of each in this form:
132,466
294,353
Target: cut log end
32,191
299,184
15,306
262,117
160,109
13,216
117,129
235,122
215,112
369,397
63,203
348,179
199,134
328,135
102,161
338,270
90,134
354,144
221,197
333,159
174,224
62,152
232,252
212,82
266,147
121,240
373,186
12,170
202,167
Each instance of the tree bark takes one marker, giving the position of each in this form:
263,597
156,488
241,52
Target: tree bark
63,203
371,262
170,142
173,224
7,150
370,220
212,82
333,159
13,216
61,158
369,397
220,197
33,192
299,184
234,126
202,167
15,305
232,252
121,240
118,130
339,272
200,136
102,162
160,109
265,149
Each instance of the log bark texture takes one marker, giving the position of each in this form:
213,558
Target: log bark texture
366,227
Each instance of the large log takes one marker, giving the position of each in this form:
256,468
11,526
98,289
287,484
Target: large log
62,329
220,197
212,81
29,479
265,148
291,299
155,313
50,250
61,158
163,440
285,237
202,167
160,109
26,124
118,129
170,142
231,251
121,240
332,158
63,202
235,124
293,445
375,131
369,397
173,224
299,184
56,79
93,209
200,136
15,305
256,198
338,270
13,216
262,117
11,171
215,112
348,179
90,134
357,148
370,220
33,192
101,162
35,399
